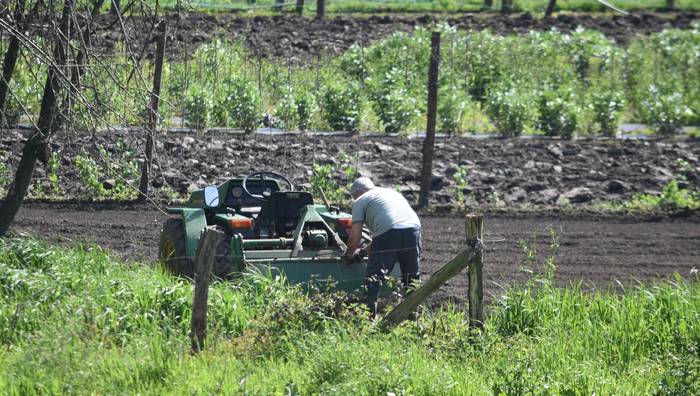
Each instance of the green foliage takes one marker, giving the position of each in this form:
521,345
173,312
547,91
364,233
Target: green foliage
672,198
286,112
78,321
509,110
334,180
392,103
665,111
451,107
245,106
607,106
305,107
112,176
4,178
461,182
342,107
198,108
557,113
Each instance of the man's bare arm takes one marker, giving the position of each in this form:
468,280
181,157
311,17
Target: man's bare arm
354,238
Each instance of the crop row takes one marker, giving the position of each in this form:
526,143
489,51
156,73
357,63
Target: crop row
548,83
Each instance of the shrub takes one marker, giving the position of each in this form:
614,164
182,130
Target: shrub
508,109
198,108
391,101
245,105
305,107
665,111
672,198
451,105
607,106
342,107
557,114
286,111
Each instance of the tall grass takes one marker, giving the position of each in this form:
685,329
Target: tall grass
77,321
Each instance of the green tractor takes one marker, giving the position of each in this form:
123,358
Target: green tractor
270,227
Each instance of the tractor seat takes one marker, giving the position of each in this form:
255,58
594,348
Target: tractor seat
280,212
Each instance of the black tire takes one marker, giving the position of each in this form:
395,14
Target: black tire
222,263
172,249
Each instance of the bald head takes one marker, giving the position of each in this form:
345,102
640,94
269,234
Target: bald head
361,186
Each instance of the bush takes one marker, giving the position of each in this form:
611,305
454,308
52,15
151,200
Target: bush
451,107
508,109
286,111
245,105
305,109
607,106
391,101
557,113
342,107
665,111
198,108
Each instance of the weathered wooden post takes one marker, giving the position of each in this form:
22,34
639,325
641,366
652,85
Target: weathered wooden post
320,9
429,142
300,7
153,112
203,266
473,226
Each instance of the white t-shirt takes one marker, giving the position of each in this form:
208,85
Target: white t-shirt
383,209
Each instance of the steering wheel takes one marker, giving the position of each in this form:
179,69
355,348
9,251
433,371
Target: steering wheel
262,174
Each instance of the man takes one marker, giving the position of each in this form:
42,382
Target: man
396,232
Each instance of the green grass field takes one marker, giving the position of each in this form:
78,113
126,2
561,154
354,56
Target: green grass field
77,321
421,6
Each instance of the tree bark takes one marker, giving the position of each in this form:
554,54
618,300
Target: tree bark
10,61
429,142
153,112
37,145
550,8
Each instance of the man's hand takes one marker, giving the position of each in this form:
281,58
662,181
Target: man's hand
349,258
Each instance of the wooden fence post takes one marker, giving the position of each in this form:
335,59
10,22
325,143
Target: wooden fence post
473,227
429,142
153,111
206,248
320,9
300,7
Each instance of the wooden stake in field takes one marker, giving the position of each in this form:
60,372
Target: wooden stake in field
429,142
203,265
470,256
320,9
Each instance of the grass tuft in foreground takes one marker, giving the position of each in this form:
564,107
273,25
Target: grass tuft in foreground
76,321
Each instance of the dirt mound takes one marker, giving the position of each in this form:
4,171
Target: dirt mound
297,39
502,173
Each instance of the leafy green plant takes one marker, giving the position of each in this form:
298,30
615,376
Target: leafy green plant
557,113
392,103
508,109
607,106
246,107
672,198
461,182
121,171
52,168
666,111
198,108
451,106
286,111
305,109
342,107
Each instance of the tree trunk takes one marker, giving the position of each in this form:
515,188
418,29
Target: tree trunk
506,7
488,4
37,145
550,8
10,61
153,112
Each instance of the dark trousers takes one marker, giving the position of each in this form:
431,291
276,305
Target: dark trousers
404,246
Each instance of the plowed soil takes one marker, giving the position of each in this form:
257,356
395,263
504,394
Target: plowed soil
296,39
602,254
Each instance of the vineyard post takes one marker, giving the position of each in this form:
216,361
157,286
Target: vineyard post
429,142
203,265
300,7
320,9
506,7
153,111
473,226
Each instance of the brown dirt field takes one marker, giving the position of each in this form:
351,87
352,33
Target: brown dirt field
597,253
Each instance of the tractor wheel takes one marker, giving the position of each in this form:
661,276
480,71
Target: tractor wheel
221,267
172,250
